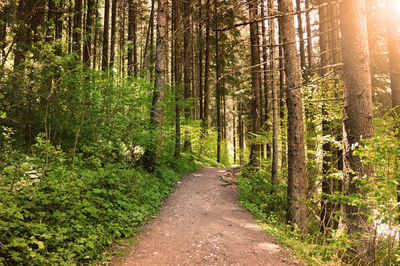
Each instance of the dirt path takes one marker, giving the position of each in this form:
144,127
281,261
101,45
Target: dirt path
203,224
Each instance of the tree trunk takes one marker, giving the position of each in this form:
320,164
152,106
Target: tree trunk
96,35
240,131
207,69
275,117
393,24
301,38
357,121
121,33
218,83
327,209
255,82
21,36
113,32
282,101
265,115
297,212
89,32
105,61
200,59
132,28
77,31
187,71
177,75
310,60
151,156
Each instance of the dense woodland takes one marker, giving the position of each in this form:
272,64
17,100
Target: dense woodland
104,104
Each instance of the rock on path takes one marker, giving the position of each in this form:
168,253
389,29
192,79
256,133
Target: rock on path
202,223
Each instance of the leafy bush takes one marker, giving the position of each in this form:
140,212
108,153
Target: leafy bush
52,212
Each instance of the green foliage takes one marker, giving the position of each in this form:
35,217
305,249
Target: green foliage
79,185
257,194
58,213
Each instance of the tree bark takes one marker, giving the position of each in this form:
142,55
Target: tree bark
266,101
132,28
218,84
310,60
177,75
152,156
89,32
357,121
275,117
200,59
105,61
113,32
207,69
96,35
327,183
282,101
187,70
77,31
297,210
255,82
301,37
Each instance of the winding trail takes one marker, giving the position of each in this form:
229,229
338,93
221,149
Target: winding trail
202,223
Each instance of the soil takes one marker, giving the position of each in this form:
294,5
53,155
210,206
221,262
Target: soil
202,223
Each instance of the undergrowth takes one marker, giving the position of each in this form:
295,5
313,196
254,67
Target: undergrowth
267,203
52,212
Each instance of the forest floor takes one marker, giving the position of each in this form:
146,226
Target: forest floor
202,223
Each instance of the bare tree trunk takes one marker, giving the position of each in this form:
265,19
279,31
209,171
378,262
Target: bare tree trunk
266,100
77,35
132,28
177,74
89,31
152,156
122,29
200,59
393,23
149,37
240,131
310,60
301,37
21,36
187,49
297,212
105,61
218,84
234,130
327,183
255,81
96,35
282,101
207,68
113,32
357,121
275,117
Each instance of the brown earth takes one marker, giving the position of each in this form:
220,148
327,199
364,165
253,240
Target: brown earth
202,223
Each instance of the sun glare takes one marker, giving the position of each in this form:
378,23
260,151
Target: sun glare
395,4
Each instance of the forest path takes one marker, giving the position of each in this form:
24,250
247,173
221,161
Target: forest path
202,223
